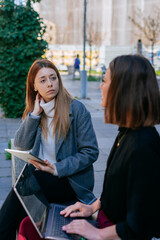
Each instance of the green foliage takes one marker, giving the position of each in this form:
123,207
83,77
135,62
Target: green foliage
94,72
158,73
21,43
8,155
93,78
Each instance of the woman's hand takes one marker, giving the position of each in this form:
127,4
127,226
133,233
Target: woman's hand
86,230
82,228
46,168
37,108
77,210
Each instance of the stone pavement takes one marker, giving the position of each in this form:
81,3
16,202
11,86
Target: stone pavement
105,135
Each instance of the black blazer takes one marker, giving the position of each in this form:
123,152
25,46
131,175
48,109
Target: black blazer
131,190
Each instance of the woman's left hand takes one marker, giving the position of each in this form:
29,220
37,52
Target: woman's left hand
46,168
82,228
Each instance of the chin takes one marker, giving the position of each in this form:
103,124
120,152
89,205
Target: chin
102,104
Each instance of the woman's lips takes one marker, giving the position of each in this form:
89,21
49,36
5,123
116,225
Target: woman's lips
51,91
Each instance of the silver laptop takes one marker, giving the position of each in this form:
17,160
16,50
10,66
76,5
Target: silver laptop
45,217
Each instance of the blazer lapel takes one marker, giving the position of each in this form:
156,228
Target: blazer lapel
61,139
59,143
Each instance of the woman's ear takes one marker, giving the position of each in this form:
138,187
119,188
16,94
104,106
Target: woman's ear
35,89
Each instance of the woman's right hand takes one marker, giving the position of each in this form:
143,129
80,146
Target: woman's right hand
77,210
37,108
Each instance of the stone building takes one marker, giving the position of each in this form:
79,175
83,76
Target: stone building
108,24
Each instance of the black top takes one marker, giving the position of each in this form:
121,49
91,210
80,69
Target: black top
131,190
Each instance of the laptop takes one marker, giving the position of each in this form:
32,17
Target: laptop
25,155
45,217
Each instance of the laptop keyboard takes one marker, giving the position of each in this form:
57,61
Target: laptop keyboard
60,221
56,224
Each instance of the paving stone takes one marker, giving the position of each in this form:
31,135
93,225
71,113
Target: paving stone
5,163
3,145
2,156
5,171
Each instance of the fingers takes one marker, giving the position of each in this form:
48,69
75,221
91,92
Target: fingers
67,211
37,108
49,164
49,167
35,164
82,228
76,227
72,210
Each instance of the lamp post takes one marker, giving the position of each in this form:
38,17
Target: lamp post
84,72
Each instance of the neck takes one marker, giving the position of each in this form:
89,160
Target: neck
48,107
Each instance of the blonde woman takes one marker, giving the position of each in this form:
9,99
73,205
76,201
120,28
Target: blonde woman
59,130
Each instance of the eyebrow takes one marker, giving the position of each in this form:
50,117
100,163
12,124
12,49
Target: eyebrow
49,76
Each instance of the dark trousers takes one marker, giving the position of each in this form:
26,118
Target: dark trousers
55,189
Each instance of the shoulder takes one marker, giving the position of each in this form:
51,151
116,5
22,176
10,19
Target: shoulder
146,142
77,107
145,136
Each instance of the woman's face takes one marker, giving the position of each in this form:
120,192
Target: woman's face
104,86
46,83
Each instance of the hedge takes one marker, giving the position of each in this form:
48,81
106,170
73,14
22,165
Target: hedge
21,43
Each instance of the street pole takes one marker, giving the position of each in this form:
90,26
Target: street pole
152,57
84,72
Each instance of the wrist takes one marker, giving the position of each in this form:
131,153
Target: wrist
100,234
96,206
108,233
35,113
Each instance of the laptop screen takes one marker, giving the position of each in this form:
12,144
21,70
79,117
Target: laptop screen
32,198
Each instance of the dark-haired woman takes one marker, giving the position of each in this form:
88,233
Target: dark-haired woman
129,207
57,128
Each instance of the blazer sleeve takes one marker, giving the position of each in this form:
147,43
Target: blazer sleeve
25,136
143,196
87,147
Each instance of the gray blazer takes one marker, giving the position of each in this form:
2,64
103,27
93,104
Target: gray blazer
74,156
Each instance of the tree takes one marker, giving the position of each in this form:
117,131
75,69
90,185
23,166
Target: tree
21,42
149,26
93,37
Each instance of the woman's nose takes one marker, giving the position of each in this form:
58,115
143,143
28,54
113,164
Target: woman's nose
49,82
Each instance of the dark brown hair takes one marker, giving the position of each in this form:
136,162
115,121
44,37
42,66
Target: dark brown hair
62,100
133,97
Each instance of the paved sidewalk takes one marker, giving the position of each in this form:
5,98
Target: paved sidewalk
105,135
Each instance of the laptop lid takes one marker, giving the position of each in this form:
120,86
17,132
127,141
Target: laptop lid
45,217
32,198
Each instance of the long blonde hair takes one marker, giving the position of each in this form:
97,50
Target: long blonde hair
62,100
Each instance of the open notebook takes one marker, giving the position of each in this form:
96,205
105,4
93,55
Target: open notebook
45,217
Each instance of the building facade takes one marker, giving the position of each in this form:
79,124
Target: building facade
108,23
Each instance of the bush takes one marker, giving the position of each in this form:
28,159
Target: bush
8,155
93,78
21,43
158,73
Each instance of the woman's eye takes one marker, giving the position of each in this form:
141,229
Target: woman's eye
53,78
43,80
